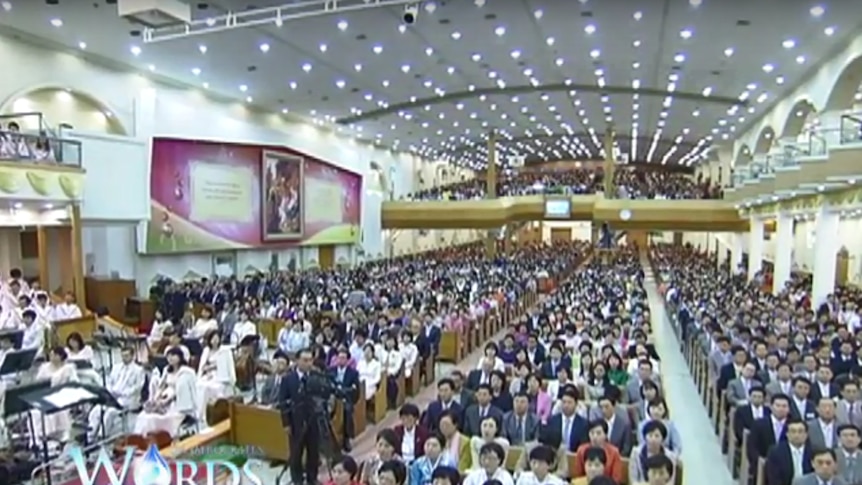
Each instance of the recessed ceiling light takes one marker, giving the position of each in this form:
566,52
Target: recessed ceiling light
679,58
595,53
151,67
789,44
456,35
636,44
342,25
306,67
249,99
768,68
685,33
477,57
500,31
695,3
550,41
357,67
590,29
202,48
402,28
538,14
57,22
323,47
638,15
429,51
516,54
707,91
206,85
243,87
340,84
779,80
135,50
377,49
196,71
800,59
405,68
264,47
817,11
293,85
829,31
82,45
7,6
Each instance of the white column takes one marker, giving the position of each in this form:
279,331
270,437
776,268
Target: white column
145,113
10,250
825,249
755,247
735,251
783,252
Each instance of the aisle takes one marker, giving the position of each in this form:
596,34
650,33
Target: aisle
701,452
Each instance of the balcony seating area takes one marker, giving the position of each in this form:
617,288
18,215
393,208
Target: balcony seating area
630,183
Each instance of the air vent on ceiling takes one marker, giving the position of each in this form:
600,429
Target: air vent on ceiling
155,13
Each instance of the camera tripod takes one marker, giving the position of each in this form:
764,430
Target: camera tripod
328,451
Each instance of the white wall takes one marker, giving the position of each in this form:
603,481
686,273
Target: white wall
142,107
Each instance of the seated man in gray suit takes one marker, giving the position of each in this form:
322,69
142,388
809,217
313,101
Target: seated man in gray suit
823,430
272,384
738,389
620,429
825,473
847,454
476,413
520,425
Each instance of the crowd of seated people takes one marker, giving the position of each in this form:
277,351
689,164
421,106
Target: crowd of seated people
785,376
630,182
378,319
15,145
571,391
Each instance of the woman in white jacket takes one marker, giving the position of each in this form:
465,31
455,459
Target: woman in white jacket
175,398
392,364
409,353
216,371
369,370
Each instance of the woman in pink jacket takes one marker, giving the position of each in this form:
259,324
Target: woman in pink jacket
540,401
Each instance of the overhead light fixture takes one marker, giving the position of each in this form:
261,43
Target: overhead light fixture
817,11
789,44
686,34
82,45
500,31
7,6
135,50
264,47
196,71
800,59
202,48
243,88
342,25
638,15
829,31
590,29
57,22
767,68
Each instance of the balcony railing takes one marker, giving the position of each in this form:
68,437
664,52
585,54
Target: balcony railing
24,147
851,128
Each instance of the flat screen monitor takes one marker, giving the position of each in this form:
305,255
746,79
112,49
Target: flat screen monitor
558,208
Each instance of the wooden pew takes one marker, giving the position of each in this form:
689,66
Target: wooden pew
378,403
209,437
360,413
450,346
402,389
677,478
268,328
430,370
414,383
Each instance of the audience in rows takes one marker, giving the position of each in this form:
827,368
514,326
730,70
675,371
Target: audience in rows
790,372
631,183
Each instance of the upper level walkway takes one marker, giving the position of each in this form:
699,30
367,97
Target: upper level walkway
622,214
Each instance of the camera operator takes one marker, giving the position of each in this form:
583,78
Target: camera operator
347,380
298,398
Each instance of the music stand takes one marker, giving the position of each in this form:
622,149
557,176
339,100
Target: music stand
18,361
61,398
82,364
15,336
14,405
159,362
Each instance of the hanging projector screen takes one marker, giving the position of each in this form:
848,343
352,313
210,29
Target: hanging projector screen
558,208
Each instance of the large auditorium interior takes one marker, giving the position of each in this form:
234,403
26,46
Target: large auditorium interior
568,242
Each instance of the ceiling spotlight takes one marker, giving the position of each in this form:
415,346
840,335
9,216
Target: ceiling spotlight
243,88
411,13
377,49
829,31
800,59
679,58
590,29
342,25
768,68
695,3
500,31
57,22
595,53
82,45
7,6
817,11
685,34
135,50
789,44
202,48
196,71
306,67
728,52
638,15
264,48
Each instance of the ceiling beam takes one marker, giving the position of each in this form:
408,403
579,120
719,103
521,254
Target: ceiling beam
530,89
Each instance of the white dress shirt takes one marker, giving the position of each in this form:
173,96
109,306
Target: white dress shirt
798,455
757,412
408,445
828,433
480,476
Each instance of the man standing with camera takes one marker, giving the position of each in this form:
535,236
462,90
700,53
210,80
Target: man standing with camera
297,407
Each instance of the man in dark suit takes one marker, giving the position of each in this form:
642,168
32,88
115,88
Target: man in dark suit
462,395
476,413
535,352
791,458
347,380
823,385
733,370
520,426
414,448
800,405
554,362
746,416
553,434
482,375
770,429
271,389
305,436
445,401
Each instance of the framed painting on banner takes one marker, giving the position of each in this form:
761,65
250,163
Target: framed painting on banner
283,196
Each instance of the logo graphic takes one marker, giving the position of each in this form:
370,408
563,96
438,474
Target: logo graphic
152,469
